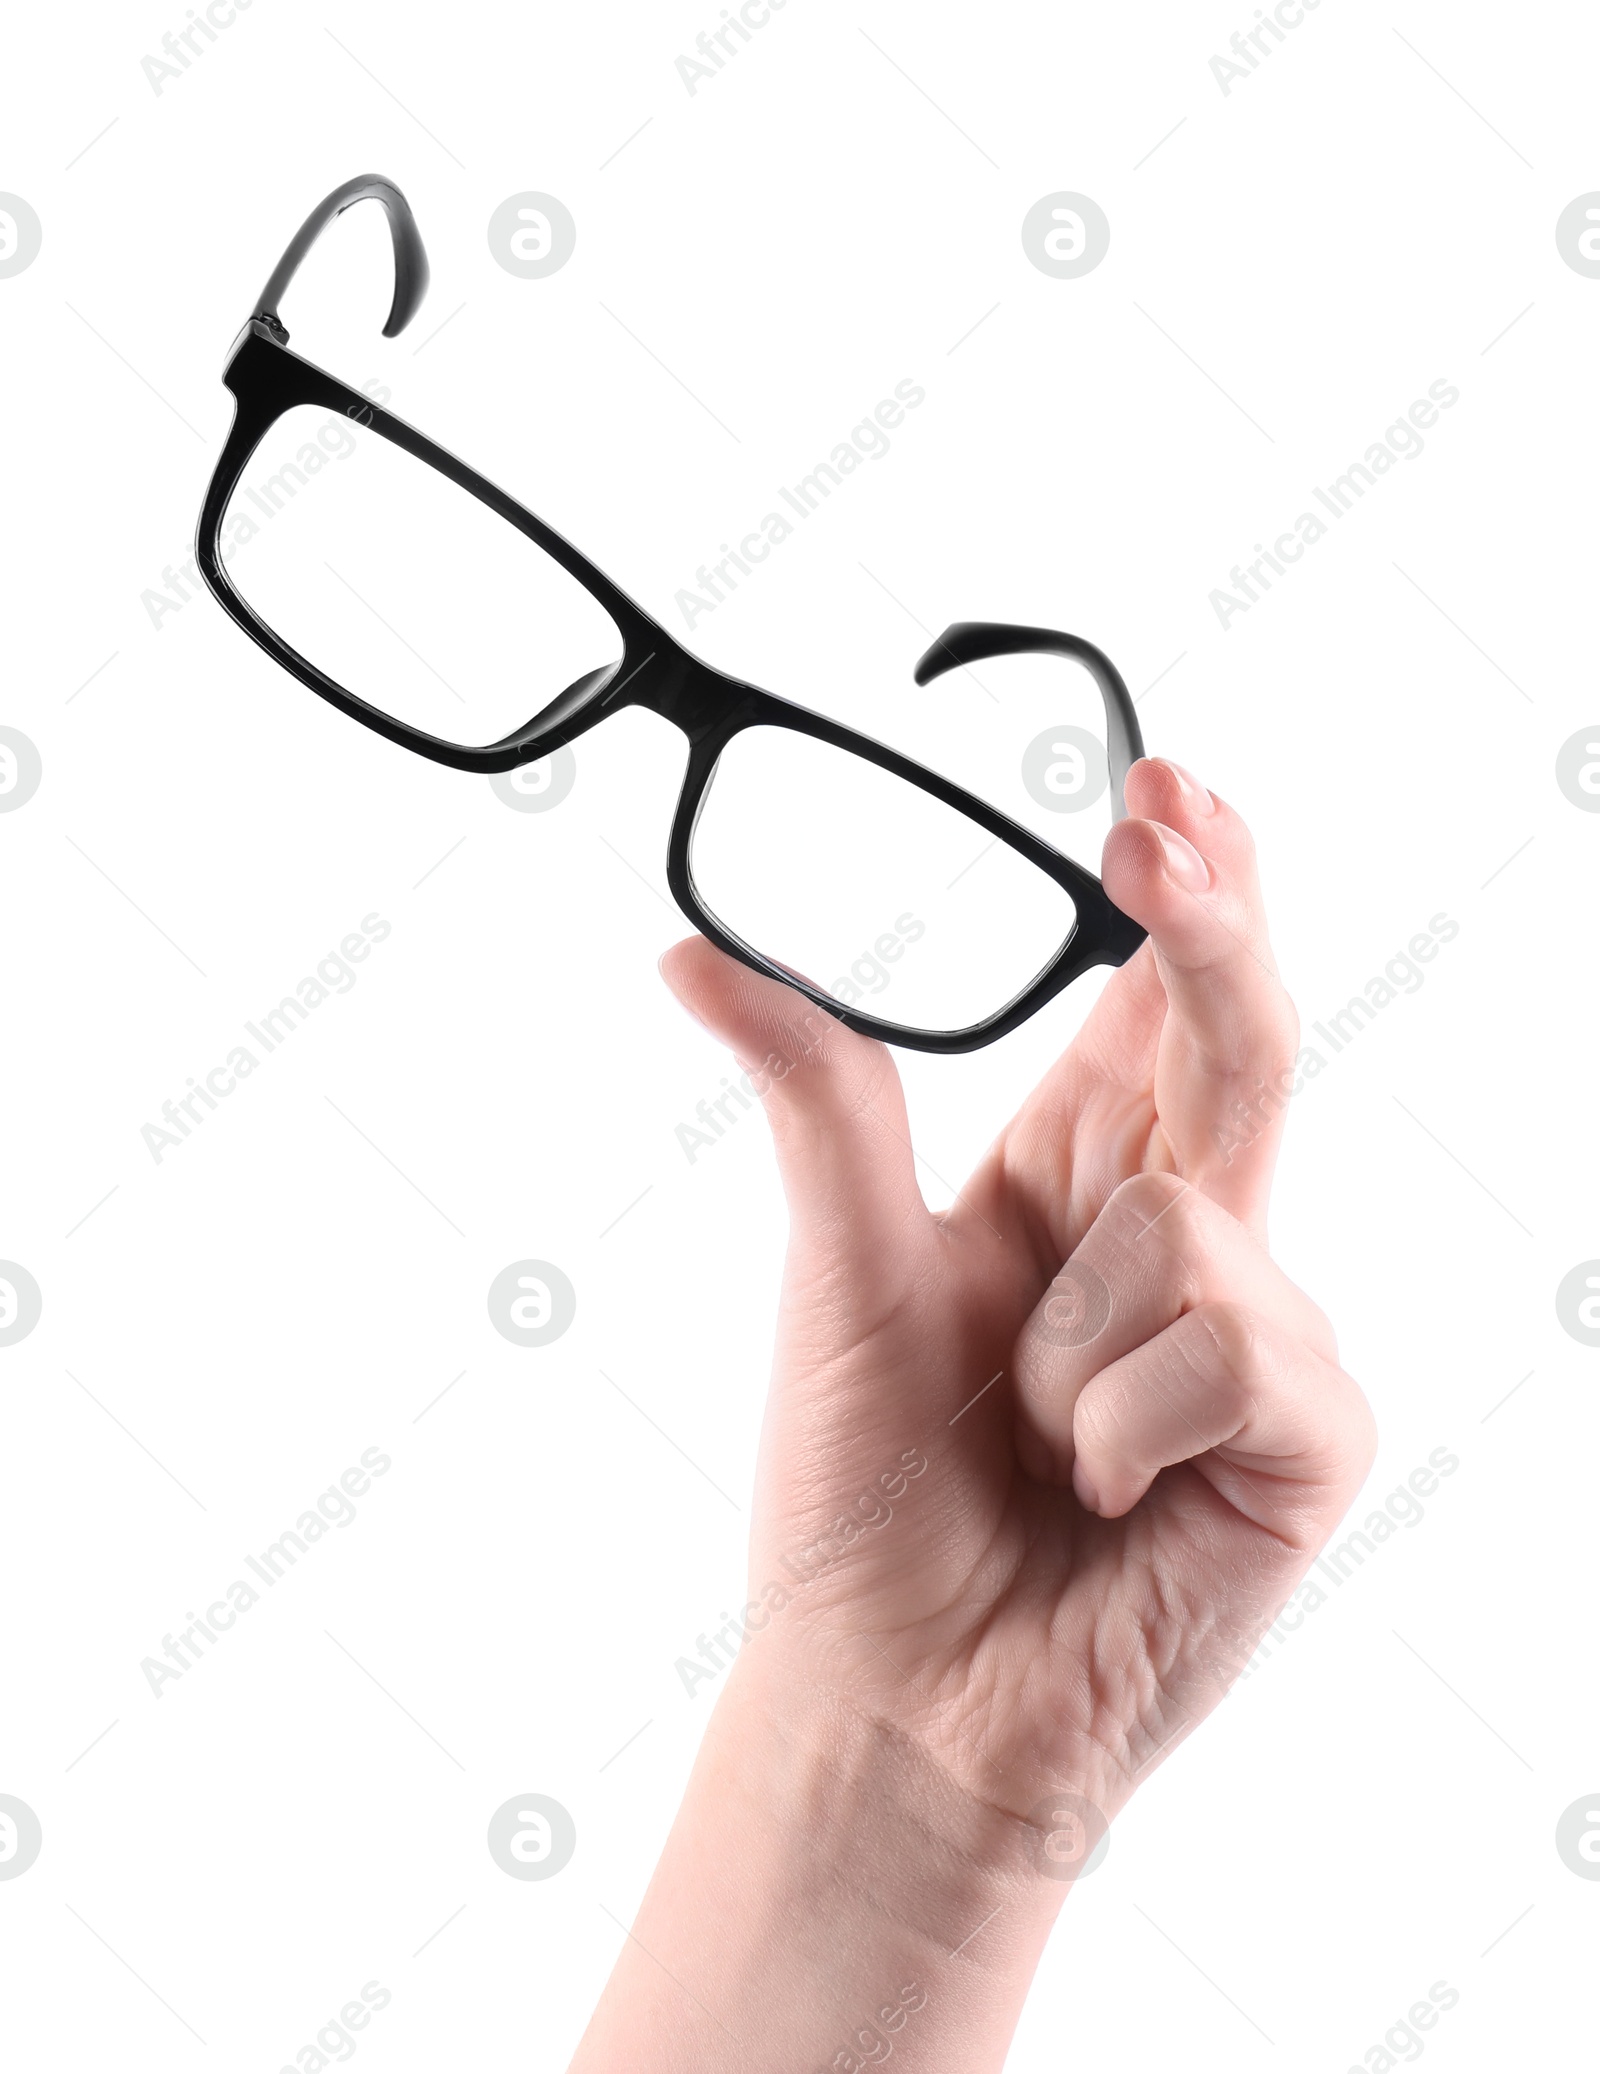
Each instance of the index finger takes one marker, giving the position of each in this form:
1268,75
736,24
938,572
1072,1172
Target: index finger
1183,865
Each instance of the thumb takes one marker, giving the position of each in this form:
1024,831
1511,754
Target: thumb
833,1101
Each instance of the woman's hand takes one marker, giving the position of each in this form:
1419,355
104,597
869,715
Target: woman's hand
1037,1472
1135,1427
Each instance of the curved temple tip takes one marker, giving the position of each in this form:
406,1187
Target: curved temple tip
410,260
949,652
975,640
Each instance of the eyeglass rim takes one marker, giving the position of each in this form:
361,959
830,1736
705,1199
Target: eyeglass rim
266,380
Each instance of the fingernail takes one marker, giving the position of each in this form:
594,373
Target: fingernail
1185,863
1195,795
1083,1487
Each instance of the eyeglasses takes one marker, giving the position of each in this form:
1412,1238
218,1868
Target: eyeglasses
422,601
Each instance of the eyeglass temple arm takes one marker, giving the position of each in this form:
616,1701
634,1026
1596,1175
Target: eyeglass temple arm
410,261
970,640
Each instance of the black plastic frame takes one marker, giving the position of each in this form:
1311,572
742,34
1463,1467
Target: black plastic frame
267,380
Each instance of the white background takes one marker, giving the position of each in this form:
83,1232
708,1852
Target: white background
1375,1808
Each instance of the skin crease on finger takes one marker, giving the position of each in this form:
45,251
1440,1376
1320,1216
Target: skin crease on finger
996,1553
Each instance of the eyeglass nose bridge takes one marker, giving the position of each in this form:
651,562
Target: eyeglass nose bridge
665,680
565,706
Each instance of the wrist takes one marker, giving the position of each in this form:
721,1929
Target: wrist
855,1789
829,1894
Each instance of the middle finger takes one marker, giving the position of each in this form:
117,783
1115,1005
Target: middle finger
1158,1249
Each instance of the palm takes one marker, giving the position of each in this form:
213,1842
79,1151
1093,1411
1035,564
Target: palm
1000,1587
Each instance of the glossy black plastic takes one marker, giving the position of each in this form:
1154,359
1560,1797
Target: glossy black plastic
410,260
653,671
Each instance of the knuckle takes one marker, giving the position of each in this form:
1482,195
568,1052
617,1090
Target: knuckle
1365,1423
1235,831
1142,1198
1236,1346
824,1081
1321,1337
1281,1025
1168,1234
